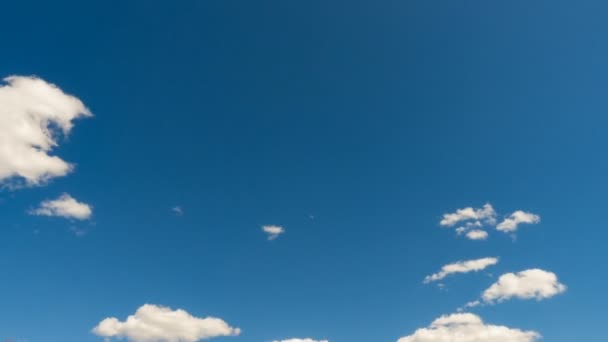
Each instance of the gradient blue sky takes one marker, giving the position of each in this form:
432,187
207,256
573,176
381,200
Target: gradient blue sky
375,117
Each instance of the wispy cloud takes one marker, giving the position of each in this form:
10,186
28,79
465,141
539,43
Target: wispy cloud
177,210
273,231
461,267
79,232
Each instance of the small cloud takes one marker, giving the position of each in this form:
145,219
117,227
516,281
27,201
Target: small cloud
177,210
64,206
461,267
272,231
153,323
511,223
472,304
529,284
477,234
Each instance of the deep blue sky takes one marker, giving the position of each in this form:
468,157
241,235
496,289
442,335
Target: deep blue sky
376,117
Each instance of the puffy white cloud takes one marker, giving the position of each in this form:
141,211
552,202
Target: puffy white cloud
152,323
510,223
32,113
461,267
64,206
300,340
485,215
529,284
467,327
477,234
272,231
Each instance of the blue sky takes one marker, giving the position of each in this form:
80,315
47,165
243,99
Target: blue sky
354,126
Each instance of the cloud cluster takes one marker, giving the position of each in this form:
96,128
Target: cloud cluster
152,323
272,231
529,284
467,327
32,114
477,234
485,214
471,221
511,223
461,267
64,206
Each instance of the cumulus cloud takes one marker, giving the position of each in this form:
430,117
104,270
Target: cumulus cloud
477,234
461,267
272,231
485,214
32,114
529,284
467,327
152,323
64,206
300,340
511,223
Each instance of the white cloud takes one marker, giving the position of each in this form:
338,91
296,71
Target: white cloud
461,267
467,327
471,304
301,340
31,113
471,221
152,323
272,231
529,284
510,223
64,206
477,234
485,215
